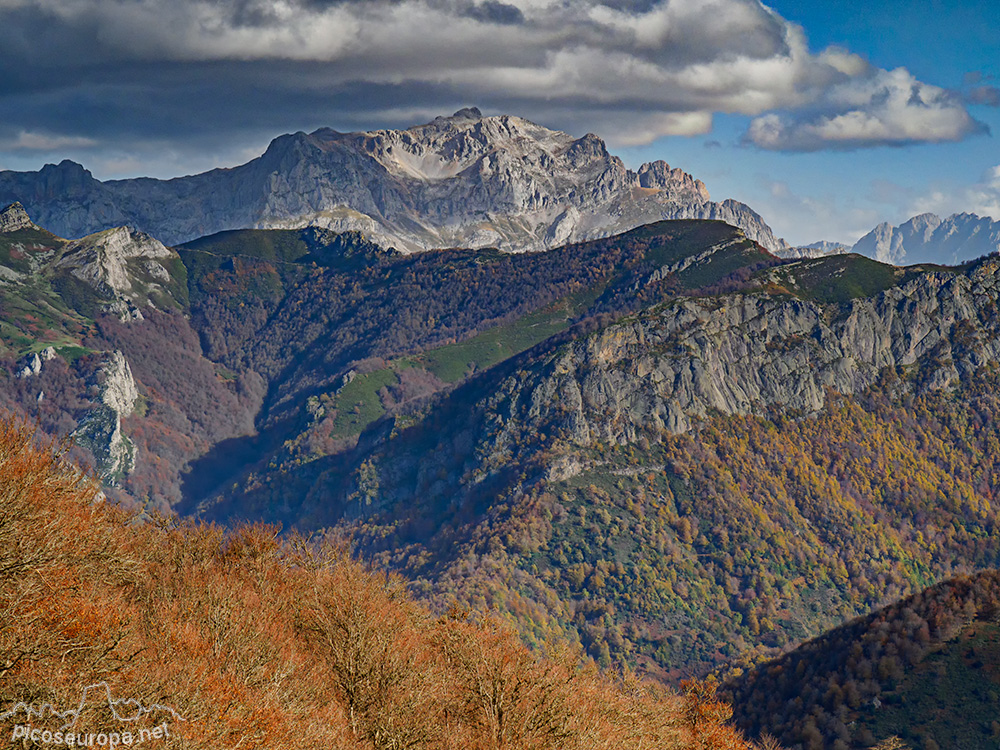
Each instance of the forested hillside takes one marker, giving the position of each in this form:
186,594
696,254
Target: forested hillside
668,447
676,553
283,346
714,548
924,669
239,638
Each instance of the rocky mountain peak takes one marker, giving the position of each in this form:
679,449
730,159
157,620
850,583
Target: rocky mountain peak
589,146
66,178
655,174
120,263
927,238
923,225
14,218
468,113
820,249
925,220
658,175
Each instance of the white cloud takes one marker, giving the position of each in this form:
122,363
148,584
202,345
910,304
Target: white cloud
26,141
880,108
982,198
643,129
662,70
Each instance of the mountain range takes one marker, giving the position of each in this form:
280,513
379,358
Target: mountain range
926,238
460,181
930,239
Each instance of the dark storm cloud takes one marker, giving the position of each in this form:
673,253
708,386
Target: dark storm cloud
159,101
193,71
253,14
495,12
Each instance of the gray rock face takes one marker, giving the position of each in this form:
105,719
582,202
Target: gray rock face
127,268
465,180
745,353
100,430
930,239
119,391
815,250
31,365
102,260
14,218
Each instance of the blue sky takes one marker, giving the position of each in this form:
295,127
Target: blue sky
827,118
838,195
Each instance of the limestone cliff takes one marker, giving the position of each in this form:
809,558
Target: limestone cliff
126,268
745,353
100,429
14,218
103,260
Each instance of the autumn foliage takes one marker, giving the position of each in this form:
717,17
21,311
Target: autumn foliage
260,642
833,691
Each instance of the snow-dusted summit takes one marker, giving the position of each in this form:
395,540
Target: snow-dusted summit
460,181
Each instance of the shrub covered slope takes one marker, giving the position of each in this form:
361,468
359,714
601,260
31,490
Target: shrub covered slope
247,642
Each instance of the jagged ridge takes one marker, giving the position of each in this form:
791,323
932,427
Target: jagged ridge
928,238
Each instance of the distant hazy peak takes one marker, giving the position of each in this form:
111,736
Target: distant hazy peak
923,225
819,249
827,247
927,238
927,220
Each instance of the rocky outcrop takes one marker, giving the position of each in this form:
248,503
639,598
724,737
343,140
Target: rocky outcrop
930,239
100,430
459,181
816,250
126,268
118,391
103,260
31,364
744,354
14,218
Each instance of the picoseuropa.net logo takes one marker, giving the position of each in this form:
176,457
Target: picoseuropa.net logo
126,711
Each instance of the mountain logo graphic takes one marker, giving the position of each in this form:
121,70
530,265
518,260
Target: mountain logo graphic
124,710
